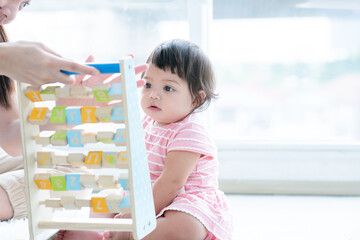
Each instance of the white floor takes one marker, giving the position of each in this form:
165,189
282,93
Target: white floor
267,217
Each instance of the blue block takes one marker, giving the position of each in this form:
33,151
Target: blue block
119,136
117,114
126,202
74,138
73,116
116,89
124,183
73,182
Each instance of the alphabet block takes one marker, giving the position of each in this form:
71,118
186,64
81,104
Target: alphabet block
48,93
76,159
105,137
99,205
44,159
43,138
60,159
88,115
88,138
53,203
62,92
58,182
113,203
33,93
42,180
103,114
39,115
59,138
109,159
93,159
82,203
73,182
80,92
89,181
118,114
124,181
115,92
107,181
119,138
68,202
58,115
122,161
73,116
100,92
74,138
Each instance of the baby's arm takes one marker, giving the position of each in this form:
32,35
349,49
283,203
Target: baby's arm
178,167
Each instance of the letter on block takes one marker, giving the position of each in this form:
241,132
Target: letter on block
93,159
59,138
38,116
73,182
42,180
100,92
109,159
74,138
118,114
58,115
48,93
99,204
115,92
58,182
73,116
124,181
126,201
44,159
68,202
33,94
119,138
88,115
113,203
103,114
121,160
76,159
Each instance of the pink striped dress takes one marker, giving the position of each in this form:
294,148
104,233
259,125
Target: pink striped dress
200,196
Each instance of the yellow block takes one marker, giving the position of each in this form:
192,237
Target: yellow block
88,115
99,204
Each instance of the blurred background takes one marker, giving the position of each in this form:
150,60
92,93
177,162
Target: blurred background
288,76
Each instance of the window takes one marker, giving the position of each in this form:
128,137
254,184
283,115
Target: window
288,77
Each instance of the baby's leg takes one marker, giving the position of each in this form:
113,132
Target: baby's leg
7,211
173,225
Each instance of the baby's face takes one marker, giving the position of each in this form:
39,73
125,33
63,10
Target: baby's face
165,97
9,9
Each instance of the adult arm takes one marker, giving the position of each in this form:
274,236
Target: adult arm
36,64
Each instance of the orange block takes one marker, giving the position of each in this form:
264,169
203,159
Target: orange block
38,115
34,96
93,159
42,180
99,205
88,115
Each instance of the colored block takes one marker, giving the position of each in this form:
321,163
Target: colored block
109,159
115,92
122,161
113,203
73,116
62,92
68,202
33,94
103,114
88,138
88,115
124,181
42,180
38,115
59,138
126,201
93,159
119,138
118,114
43,138
48,93
99,204
58,115
74,138
100,92
73,182
76,159
80,92
58,183
107,181
89,181
105,137
43,159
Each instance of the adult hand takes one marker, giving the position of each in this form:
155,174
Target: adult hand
36,64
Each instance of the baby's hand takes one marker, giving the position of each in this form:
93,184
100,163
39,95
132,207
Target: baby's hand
118,235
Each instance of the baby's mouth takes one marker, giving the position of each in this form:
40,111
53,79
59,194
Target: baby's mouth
154,108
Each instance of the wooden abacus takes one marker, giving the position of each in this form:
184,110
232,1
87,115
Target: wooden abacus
126,156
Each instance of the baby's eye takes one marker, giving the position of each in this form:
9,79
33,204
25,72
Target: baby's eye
147,85
23,4
168,89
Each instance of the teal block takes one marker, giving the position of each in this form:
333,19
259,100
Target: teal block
124,183
74,138
115,90
119,136
126,202
117,114
73,182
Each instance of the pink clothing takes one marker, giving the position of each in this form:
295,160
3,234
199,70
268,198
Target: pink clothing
200,196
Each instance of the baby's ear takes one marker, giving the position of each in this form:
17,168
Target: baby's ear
197,102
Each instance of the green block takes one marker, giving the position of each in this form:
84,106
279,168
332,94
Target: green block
49,90
58,183
59,135
58,115
101,95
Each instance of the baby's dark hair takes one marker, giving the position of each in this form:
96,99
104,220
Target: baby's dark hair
188,61
6,84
